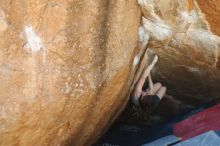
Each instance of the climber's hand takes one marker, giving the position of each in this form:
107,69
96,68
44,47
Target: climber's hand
155,60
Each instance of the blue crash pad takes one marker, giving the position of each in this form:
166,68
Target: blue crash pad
164,141
206,139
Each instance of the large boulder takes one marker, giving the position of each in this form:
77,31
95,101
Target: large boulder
65,68
185,35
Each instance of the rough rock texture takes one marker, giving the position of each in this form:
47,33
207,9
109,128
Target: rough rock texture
211,11
185,36
66,67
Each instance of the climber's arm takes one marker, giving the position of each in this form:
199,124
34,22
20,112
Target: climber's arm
138,89
150,83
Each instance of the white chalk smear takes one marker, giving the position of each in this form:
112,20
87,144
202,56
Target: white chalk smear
3,22
143,36
149,6
136,60
33,41
141,2
187,17
157,30
204,38
193,69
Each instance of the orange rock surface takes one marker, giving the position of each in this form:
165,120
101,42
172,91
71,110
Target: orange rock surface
189,50
211,11
67,67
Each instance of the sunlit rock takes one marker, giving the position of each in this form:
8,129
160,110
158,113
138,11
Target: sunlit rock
65,69
185,36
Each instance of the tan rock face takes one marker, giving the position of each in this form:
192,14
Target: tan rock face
189,50
65,68
211,11
3,23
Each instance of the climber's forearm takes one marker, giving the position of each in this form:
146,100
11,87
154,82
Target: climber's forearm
144,76
150,83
